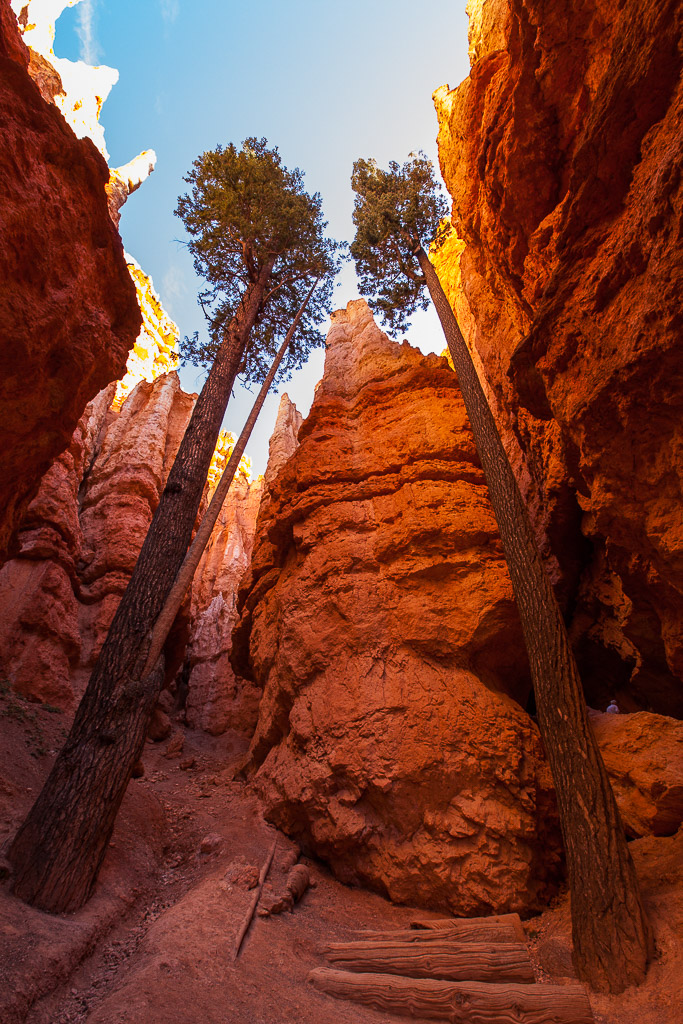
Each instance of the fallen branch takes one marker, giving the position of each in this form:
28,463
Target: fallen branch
254,902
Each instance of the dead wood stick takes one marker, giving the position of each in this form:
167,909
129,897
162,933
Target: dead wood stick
450,961
460,1002
254,902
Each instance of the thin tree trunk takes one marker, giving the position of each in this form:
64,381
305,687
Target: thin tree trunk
612,939
163,624
58,850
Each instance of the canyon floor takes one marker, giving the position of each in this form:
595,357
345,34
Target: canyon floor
155,942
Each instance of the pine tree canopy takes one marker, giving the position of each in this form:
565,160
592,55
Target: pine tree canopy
395,212
244,210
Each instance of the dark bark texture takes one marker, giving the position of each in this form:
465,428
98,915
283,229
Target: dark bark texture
58,850
612,939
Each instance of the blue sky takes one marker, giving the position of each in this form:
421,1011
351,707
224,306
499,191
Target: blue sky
325,82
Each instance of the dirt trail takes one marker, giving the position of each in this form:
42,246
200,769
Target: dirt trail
154,944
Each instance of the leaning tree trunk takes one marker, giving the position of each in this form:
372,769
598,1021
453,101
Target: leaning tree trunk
57,852
612,939
167,615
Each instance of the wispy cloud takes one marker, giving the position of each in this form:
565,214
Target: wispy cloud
170,10
174,289
86,32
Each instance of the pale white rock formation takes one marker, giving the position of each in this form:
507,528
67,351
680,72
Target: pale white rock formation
284,439
127,179
78,89
217,699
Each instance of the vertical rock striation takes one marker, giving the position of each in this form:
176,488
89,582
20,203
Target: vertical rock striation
120,495
217,700
378,618
82,534
562,152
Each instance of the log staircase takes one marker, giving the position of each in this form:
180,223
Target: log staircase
462,970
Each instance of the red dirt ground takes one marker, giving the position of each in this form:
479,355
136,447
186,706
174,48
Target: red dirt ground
154,944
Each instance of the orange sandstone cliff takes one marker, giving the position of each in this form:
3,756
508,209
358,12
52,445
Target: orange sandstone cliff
562,152
378,619
68,311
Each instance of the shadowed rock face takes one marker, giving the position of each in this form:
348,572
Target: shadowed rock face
217,700
378,618
562,152
68,311
643,755
81,537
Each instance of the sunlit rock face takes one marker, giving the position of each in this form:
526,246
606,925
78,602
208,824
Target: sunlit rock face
378,618
221,457
78,89
156,348
68,312
562,152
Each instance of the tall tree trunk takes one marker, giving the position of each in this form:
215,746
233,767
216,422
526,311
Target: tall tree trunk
612,939
167,615
58,850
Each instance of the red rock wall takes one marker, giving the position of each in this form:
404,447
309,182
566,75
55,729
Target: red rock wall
68,311
562,152
378,619
81,537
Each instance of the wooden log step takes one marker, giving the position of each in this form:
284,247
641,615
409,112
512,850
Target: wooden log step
452,961
499,928
428,935
469,1002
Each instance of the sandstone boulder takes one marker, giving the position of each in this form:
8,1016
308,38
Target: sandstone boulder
378,618
643,755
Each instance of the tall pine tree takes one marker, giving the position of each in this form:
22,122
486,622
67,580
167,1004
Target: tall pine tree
396,211
258,240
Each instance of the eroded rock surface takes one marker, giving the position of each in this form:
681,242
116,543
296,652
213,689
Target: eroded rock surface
378,618
121,494
216,698
68,312
562,152
643,755
81,537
